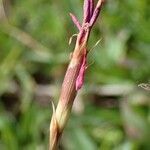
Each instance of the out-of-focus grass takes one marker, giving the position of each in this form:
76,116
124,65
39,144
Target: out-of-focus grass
111,112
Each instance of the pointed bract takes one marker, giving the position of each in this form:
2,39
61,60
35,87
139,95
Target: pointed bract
75,21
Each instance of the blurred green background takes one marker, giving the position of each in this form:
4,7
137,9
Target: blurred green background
110,112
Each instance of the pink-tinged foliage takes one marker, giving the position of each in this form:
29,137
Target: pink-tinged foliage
96,12
86,11
74,77
89,13
89,17
91,8
75,21
80,78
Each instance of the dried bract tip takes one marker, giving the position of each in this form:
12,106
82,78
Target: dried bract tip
54,130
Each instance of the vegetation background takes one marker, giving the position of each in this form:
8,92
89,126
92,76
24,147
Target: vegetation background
111,112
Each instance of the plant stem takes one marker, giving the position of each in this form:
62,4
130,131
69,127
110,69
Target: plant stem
74,74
